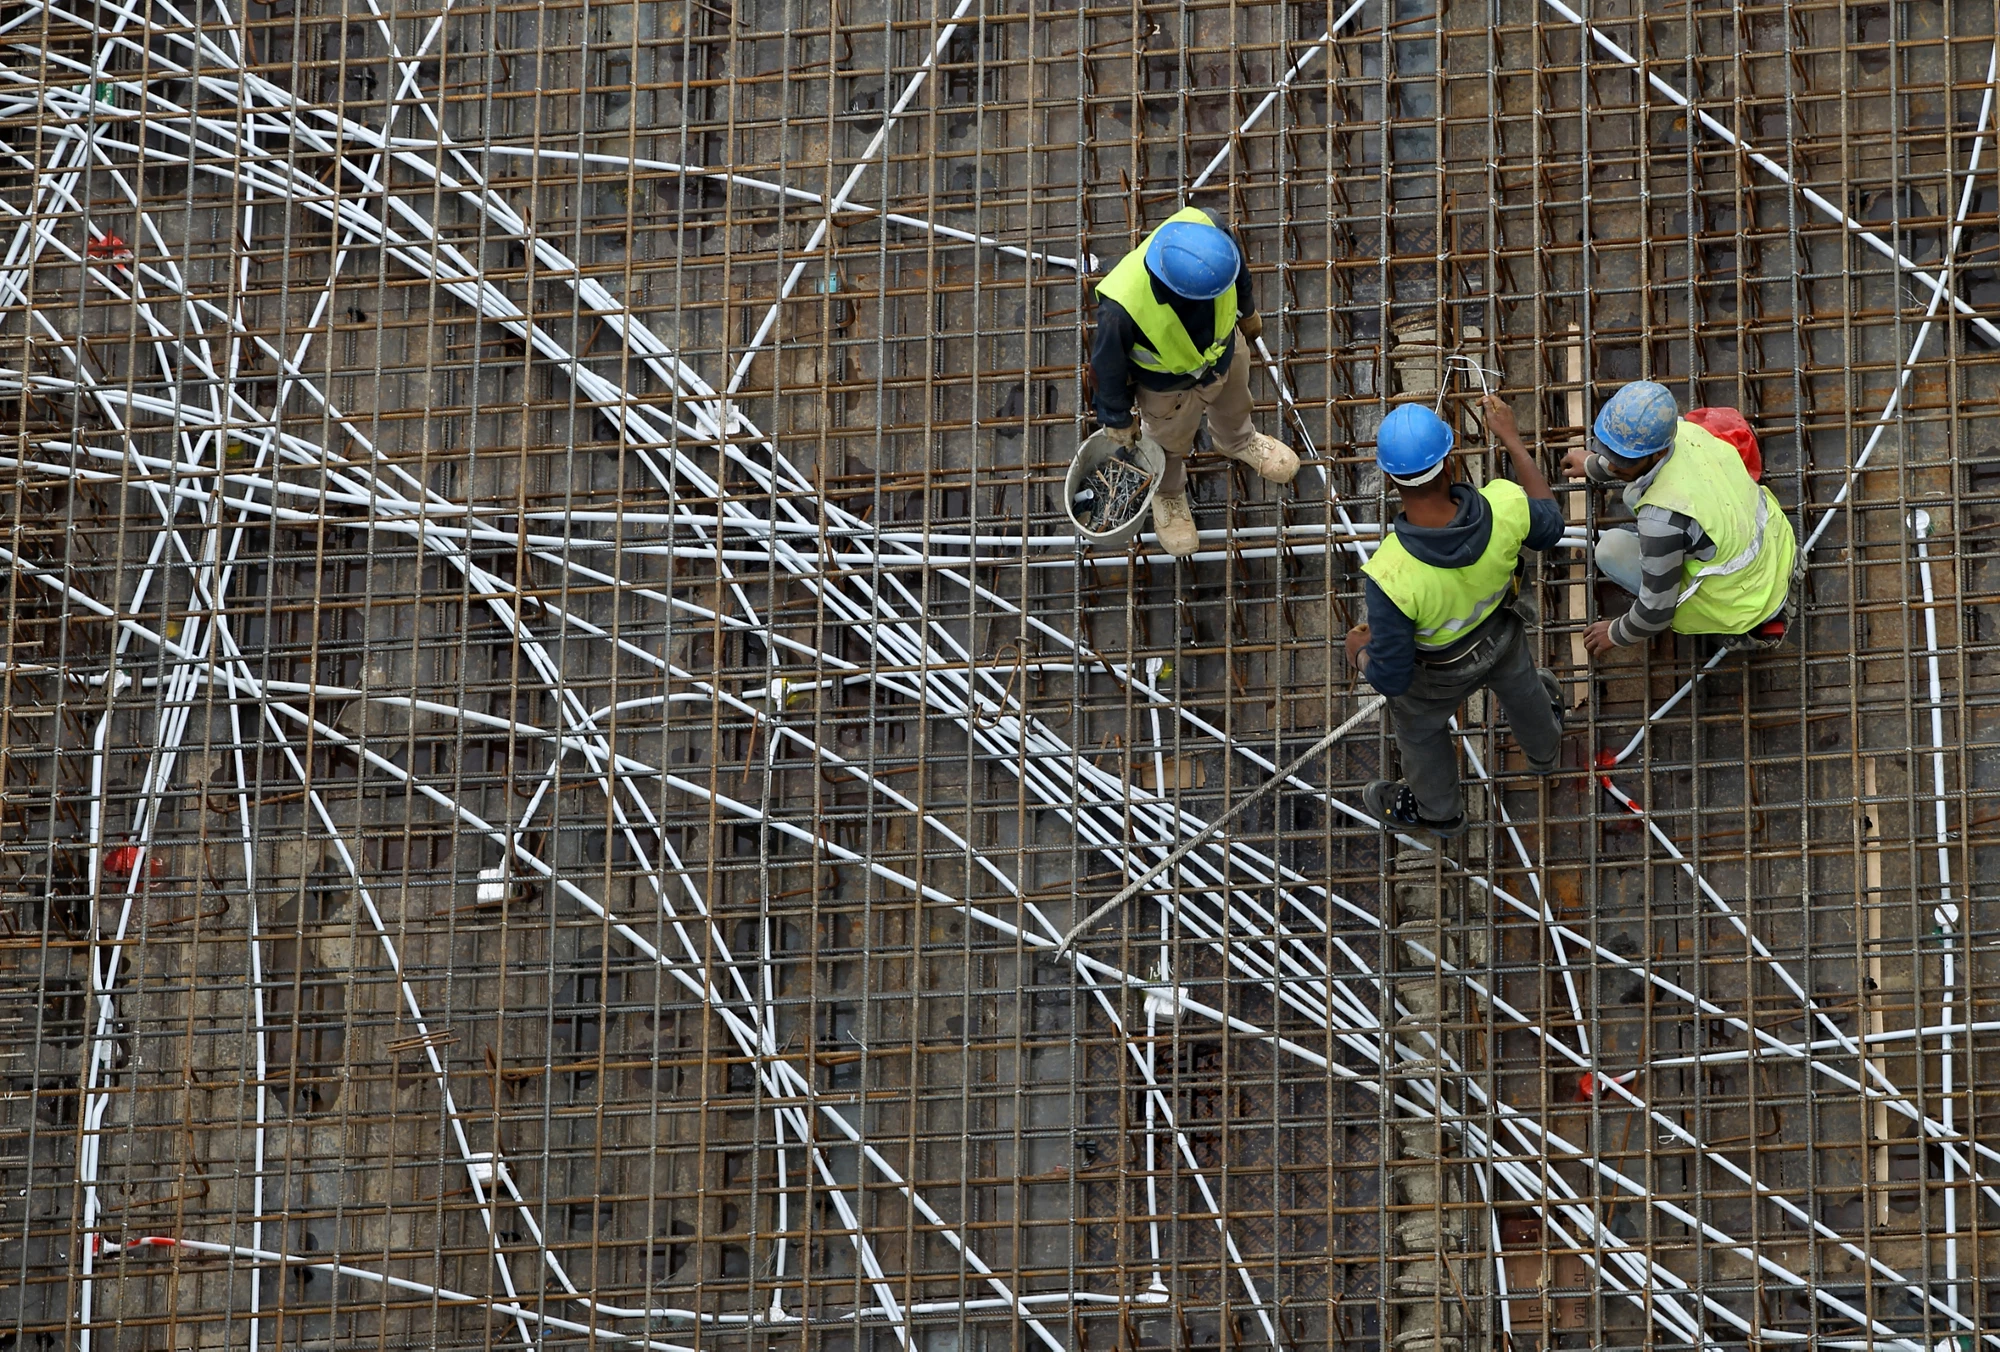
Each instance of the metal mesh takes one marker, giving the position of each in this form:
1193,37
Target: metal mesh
553,724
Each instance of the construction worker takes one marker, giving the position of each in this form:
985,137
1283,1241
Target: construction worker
1175,321
1711,551
1442,620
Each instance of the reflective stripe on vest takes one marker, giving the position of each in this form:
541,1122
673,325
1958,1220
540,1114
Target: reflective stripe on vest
1446,604
1746,557
1169,349
1754,542
1440,634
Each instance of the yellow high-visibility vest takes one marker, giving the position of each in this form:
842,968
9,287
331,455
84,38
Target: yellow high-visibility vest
1446,604
1754,542
1168,349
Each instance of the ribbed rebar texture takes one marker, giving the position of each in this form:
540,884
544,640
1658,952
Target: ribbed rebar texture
552,722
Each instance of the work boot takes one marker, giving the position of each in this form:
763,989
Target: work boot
1396,805
1173,523
1270,457
1770,634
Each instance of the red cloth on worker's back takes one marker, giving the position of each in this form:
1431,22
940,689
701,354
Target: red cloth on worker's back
1733,428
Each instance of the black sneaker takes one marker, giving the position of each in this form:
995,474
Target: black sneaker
1392,801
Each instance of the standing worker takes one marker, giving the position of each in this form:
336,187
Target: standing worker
1441,616
1175,320
1712,550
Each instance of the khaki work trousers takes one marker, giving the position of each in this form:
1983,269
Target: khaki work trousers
1172,418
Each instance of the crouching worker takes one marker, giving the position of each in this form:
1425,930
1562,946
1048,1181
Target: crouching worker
1712,550
1172,323
1442,621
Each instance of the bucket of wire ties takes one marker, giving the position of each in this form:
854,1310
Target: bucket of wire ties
1109,490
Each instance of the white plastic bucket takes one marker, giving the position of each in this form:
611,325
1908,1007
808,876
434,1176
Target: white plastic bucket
1095,450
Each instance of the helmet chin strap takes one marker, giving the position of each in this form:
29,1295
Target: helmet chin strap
1629,461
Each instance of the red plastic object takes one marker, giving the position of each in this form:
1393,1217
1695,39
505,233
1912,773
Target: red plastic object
109,249
1733,428
1586,1087
1608,761
125,858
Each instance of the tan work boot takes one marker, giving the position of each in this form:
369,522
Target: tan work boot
1173,523
1270,457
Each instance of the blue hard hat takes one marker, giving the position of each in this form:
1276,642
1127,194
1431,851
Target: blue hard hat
1638,421
1194,260
1411,440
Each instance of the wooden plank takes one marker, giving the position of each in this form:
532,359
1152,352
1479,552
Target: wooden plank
1871,901
1575,598
1185,773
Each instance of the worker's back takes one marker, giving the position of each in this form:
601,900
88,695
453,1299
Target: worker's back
1448,603
1746,580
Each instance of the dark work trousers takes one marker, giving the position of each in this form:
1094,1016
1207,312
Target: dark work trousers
1501,663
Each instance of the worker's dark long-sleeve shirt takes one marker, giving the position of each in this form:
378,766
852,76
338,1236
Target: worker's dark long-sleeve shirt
1392,635
1111,363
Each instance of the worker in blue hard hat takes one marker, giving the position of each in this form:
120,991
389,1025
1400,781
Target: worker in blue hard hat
1711,551
1442,619
1175,319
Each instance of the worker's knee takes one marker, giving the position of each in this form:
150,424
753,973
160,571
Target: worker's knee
1542,744
1175,440
1618,557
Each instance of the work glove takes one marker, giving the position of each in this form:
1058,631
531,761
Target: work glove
1126,436
1251,327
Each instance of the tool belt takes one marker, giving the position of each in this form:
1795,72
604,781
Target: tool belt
1522,608
1478,646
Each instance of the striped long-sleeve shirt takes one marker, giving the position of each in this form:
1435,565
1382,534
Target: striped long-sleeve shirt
1667,540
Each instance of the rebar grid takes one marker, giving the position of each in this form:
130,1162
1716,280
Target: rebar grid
553,725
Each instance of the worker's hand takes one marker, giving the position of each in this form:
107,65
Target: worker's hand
1597,639
1357,639
1251,327
1499,418
1126,436
1572,465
